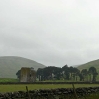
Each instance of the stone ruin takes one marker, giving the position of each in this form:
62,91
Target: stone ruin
27,74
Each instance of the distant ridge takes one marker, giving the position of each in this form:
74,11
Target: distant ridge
9,65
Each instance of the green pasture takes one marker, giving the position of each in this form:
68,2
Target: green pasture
22,87
8,80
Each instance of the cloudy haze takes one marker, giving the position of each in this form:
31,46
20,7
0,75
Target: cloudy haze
51,32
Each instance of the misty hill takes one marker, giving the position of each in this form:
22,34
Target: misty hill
94,63
9,65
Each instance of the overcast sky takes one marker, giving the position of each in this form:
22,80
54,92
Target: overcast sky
51,32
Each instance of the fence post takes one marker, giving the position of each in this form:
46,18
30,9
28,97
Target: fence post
28,92
75,91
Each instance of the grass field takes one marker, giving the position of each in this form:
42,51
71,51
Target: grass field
12,88
8,80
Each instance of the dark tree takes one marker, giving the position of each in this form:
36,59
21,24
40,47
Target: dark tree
93,72
75,73
49,73
18,74
81,77
66,72
40,74
84,73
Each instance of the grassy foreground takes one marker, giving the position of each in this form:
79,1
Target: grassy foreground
12,88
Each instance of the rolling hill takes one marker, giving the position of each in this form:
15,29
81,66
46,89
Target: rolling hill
94,63
9,65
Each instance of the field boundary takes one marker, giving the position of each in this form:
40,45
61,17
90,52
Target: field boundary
4,83
59,93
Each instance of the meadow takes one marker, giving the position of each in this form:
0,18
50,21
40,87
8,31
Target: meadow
4,88
22,87
8,80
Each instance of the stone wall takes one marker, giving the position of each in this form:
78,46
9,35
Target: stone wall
60,93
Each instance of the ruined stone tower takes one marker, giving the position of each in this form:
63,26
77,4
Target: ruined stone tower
27,74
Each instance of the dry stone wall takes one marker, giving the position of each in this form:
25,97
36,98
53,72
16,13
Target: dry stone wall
60,93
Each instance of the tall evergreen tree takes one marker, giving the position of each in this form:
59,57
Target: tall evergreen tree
93,72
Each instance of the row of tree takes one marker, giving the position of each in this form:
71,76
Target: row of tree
66,73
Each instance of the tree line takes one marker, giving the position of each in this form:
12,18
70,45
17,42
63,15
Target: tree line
66,73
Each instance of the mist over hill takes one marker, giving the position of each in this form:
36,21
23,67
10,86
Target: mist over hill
9,65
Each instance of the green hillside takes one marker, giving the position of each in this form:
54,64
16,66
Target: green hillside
9,65
94,63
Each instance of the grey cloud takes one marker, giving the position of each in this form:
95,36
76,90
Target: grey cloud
50,32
